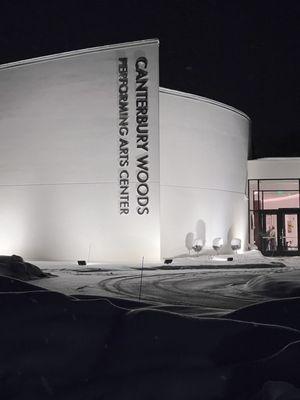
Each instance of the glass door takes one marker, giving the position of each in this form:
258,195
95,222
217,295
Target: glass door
289,232
279,232
268,232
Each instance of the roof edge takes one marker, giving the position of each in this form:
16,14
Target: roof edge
73,53
276,159
204,99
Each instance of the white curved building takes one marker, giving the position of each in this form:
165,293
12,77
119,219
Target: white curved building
98,163
203,171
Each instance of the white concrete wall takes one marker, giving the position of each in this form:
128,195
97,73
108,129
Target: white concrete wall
59,171
203,149
59,158
274,168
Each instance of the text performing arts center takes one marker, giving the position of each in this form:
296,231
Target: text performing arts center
97,162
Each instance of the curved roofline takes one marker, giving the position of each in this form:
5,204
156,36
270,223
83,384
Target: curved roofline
204,99
73,53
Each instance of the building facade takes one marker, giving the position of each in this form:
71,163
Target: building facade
203,172
274,205
99,163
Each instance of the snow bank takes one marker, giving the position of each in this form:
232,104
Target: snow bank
278,391
249,259
283,312
16,267
274,286
55,346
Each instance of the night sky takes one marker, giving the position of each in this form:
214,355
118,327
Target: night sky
243,53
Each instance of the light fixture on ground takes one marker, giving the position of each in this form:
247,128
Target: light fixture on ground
198,246
217,244
235,244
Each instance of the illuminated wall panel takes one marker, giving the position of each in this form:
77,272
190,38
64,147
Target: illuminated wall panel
96,163
79,155
204,149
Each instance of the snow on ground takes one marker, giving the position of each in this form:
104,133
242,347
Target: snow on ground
239,337
58,347
200,288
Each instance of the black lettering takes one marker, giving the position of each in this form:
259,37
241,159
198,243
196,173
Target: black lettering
142,176
143,201
123,142
141,62
142,211
123,131
143,189
142,134
143,162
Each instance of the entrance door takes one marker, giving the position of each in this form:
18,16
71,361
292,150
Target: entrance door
289,232
279,232
268,232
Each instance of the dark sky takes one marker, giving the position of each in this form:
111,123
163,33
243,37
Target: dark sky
243,53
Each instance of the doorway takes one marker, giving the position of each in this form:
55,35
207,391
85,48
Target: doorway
279,232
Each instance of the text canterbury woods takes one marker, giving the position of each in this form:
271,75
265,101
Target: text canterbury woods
141,134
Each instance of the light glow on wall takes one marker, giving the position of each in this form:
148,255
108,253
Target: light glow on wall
63,149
